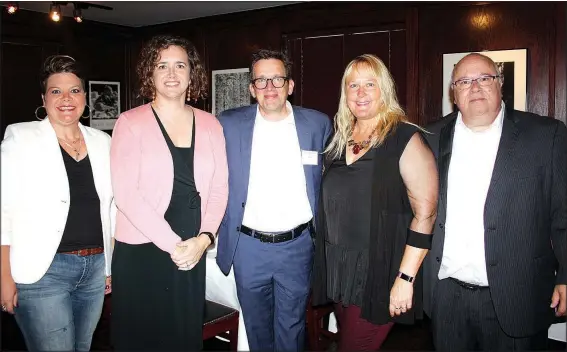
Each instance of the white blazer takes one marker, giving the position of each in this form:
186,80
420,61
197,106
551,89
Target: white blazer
35,195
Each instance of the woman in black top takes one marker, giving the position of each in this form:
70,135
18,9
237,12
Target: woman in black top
377,209
57,217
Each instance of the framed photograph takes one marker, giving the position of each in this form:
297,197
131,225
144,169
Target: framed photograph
512,65
230,89
104,103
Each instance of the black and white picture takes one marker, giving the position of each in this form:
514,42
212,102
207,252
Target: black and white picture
104,103
512,64
230,89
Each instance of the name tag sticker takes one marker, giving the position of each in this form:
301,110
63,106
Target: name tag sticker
309,157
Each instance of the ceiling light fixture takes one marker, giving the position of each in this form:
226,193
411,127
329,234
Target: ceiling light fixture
55,12
12,7
77,13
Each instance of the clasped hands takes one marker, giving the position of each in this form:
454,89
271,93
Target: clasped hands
188,253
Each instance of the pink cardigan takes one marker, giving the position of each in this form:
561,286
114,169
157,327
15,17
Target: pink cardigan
142,177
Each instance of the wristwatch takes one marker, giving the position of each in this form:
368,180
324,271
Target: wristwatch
405,277
211,237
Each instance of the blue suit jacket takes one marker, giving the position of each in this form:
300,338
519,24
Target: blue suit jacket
313,131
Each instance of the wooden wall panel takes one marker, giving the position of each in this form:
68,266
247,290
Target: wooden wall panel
451,28
30,37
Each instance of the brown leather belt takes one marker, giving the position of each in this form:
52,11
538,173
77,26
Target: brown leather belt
85,252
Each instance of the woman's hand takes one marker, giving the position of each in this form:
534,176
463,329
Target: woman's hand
108,285
401,297
188,253
9,294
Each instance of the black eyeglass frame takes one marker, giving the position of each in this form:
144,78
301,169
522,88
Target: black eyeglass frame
268,80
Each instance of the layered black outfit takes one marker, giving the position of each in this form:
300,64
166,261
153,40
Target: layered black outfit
364,215
160,307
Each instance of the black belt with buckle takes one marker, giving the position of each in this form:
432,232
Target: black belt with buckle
467,285
276,237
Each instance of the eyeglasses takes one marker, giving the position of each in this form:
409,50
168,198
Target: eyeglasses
483,81
262,83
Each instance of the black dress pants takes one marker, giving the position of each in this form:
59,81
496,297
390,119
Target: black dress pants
463,319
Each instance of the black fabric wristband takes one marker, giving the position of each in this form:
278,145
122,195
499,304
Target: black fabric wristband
419,240
211,237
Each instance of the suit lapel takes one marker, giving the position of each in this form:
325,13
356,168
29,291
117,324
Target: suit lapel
246,136
54,164
508,139
445,152
304,136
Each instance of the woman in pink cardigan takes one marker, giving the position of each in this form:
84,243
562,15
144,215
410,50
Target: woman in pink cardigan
170,178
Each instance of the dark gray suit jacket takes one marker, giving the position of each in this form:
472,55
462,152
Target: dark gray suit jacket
525,219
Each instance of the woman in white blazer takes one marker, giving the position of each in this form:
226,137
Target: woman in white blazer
57,217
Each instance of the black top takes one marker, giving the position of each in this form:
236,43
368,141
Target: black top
346,202
84,225
390,216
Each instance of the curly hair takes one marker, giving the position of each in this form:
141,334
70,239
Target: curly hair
60,64
264,54
149,56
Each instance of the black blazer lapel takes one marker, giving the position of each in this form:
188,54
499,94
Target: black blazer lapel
508,139
445,151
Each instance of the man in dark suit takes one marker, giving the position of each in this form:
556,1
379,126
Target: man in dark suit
274,153
496,273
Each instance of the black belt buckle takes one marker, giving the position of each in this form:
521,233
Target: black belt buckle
275,237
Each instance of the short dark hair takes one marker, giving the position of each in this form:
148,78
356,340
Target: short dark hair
264,54
149,56
60,64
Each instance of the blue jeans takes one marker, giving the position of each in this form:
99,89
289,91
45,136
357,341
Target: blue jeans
60,311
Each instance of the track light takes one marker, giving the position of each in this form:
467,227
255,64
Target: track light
78,14
12,7
55,12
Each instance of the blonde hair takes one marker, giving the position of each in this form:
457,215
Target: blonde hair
389,115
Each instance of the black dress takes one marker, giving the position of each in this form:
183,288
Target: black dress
346,199
156,306
367,276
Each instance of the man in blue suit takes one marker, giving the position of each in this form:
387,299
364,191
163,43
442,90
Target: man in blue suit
274,153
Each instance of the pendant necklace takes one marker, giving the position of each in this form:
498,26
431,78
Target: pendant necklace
77,151
358,146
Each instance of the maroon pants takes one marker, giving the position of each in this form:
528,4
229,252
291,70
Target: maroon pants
358,334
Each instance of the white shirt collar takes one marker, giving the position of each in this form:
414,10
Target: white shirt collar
289,119
495,125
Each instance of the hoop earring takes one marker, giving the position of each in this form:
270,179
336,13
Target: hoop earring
88,110
44,115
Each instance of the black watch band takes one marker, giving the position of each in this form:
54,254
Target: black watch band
210,235
405,277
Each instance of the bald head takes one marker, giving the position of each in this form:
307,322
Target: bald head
480,101
474,56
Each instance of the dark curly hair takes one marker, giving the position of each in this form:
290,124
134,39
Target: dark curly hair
60,64
264,54
149,56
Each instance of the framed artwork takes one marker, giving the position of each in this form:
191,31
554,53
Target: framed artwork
104,103
230,89
512,64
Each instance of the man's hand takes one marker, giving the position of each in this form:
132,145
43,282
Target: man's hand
559,300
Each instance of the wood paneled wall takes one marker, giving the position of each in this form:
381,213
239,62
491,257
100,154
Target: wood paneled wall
431,29
30,37
227,41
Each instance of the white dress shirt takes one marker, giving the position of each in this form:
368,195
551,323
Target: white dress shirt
277,194
470,172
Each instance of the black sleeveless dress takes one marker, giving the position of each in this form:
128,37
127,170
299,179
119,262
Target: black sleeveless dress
156,306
